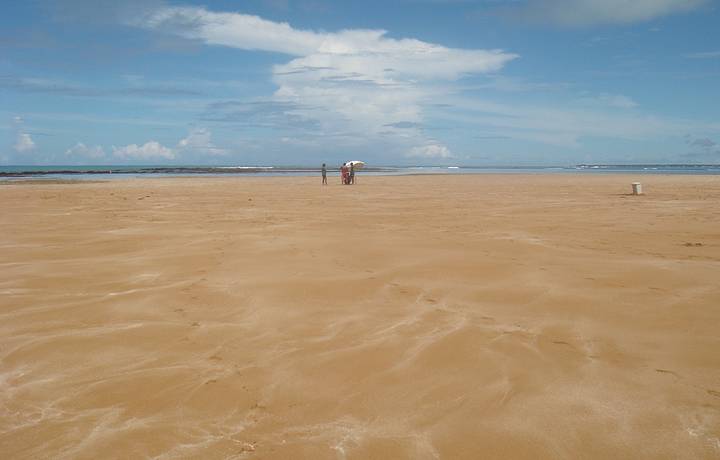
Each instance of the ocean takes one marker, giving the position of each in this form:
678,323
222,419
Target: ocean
107,172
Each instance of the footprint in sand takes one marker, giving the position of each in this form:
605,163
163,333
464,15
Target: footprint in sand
666,371
248,447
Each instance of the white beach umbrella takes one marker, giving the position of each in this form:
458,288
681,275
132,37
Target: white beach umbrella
357,164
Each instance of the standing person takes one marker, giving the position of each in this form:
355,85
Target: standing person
344,174
352,173
324,174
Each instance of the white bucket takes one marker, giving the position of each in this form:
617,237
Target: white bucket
637,188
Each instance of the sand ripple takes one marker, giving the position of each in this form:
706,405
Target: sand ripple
438,317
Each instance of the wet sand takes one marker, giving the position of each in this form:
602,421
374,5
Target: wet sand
485,316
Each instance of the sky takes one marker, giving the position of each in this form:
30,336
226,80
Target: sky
393,82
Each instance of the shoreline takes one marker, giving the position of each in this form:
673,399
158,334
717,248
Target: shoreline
82,172
105,178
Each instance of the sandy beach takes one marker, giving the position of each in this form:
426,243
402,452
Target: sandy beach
478,316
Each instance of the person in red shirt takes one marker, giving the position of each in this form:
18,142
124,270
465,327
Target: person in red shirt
344,174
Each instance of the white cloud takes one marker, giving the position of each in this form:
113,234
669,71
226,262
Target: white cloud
149,151
355,88
350,84
23,140
618,100
24,143
562,126
430,151
347,49
591,12
198,141
232,29
84,151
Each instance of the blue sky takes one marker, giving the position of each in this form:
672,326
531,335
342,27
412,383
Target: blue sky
468,82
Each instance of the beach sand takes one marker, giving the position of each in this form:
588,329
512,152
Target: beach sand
479,316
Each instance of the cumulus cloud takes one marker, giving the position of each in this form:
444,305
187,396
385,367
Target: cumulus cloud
575,13
429,151
198,141
348,48
24,143
85,151
353,84
23,140
151,150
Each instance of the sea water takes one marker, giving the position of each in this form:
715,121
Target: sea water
106,172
